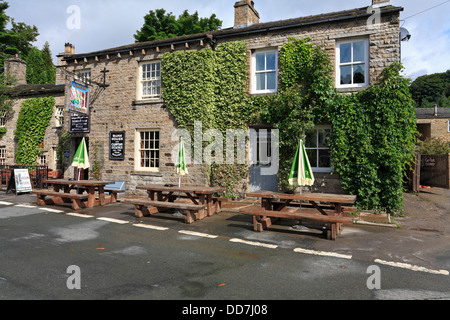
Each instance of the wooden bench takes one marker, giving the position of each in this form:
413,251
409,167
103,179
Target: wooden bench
148,207
262,218
217,201
60,197
114,188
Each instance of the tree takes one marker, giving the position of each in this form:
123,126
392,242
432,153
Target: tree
17,40
40,67
161,25
429,90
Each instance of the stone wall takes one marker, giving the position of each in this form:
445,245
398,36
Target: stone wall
116,108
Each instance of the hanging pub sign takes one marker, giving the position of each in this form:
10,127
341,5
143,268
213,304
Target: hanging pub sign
117,145
79,98
79,123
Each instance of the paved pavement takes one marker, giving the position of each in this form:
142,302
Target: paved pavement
122,257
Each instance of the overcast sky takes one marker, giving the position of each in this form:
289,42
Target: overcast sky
111,23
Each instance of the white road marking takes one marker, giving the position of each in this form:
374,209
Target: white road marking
147,226
25,206
51,210
323,253
198,234
5,203
79,215
411,267
257,244
113,220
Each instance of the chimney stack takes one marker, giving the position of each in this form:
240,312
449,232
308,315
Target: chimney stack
69,48
245,13
380,3
17,69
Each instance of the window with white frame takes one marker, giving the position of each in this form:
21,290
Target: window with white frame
2,156
317,145
3,118
59,115
448,125
83,76
150,80
265,71
147,150
42,158
352,63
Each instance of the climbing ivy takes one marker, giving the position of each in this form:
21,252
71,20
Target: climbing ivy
374,130
34,118
210,86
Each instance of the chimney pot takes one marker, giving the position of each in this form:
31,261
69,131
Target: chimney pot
245,13
380,3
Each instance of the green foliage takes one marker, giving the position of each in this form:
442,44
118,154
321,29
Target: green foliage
159,25
40,68
18,39
210,86
429,90
34,118
374,133
433,146
305,95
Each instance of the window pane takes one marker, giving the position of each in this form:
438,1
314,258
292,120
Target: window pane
346,52
324,136
261,81
346,75
271,81
312,156
359,51
324,159
359,74
310,140
270,61
260,62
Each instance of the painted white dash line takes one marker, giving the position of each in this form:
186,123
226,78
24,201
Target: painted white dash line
25,206
5,203
73,214
253,243
51,210
198,234
147,226
323,253
412,267
113,220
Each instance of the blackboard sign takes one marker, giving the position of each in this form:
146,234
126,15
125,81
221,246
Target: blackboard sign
117,145
79,123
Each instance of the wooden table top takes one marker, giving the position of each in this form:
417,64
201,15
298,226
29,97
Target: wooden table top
77,182
320,197
194,189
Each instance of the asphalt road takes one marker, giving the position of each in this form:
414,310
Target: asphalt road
45,255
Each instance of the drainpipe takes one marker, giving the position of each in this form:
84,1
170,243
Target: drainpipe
435,110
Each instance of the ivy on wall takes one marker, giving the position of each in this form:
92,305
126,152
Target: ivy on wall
34,118
374,130
210,86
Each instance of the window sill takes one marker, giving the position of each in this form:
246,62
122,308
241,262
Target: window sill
146,173
147,101
351,89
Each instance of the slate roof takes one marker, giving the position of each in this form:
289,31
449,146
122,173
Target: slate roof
255,28
428,113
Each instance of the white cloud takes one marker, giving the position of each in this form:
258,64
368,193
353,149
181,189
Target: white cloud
110,23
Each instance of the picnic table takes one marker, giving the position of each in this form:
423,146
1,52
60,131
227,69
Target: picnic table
63,192
162,197
327,209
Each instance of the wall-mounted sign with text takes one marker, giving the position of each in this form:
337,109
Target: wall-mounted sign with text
117,145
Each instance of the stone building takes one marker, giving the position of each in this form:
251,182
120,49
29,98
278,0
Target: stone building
433,123
21,91
126,94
